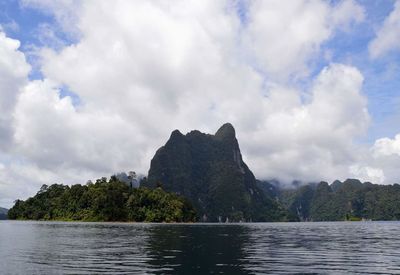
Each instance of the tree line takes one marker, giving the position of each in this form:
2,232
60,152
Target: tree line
104,200
348,200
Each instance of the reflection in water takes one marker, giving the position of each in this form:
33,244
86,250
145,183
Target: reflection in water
110,248
198,249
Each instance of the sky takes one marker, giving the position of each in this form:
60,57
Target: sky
92,88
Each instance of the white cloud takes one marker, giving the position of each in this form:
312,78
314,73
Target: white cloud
380,163
286,35
387,146
367,173
13,76
388,35
313,140
53,134
347,13
385,155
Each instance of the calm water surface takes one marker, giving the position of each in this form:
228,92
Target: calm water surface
118,248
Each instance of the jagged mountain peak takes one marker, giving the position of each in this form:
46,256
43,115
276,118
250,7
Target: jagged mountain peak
226,131
176,133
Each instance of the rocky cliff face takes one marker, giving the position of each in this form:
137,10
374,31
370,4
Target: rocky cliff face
209,171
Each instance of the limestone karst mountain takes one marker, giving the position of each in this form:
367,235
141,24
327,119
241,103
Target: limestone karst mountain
210,172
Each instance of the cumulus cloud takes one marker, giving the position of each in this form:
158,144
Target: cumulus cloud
347,13
387,146
379,164
141,69
13,76
285,36
367,173
295,137
388,35
52,133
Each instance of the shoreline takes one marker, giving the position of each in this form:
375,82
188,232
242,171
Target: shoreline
196,223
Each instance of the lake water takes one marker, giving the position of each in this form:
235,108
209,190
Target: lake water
123,248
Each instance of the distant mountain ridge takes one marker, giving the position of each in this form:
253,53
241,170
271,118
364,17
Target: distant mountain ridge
210,172
347,200
3,213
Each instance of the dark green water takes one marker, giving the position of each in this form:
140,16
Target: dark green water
115,248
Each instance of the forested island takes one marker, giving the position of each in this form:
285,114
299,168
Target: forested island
103,200
202,177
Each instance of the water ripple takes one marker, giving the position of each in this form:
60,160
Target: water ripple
277,248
